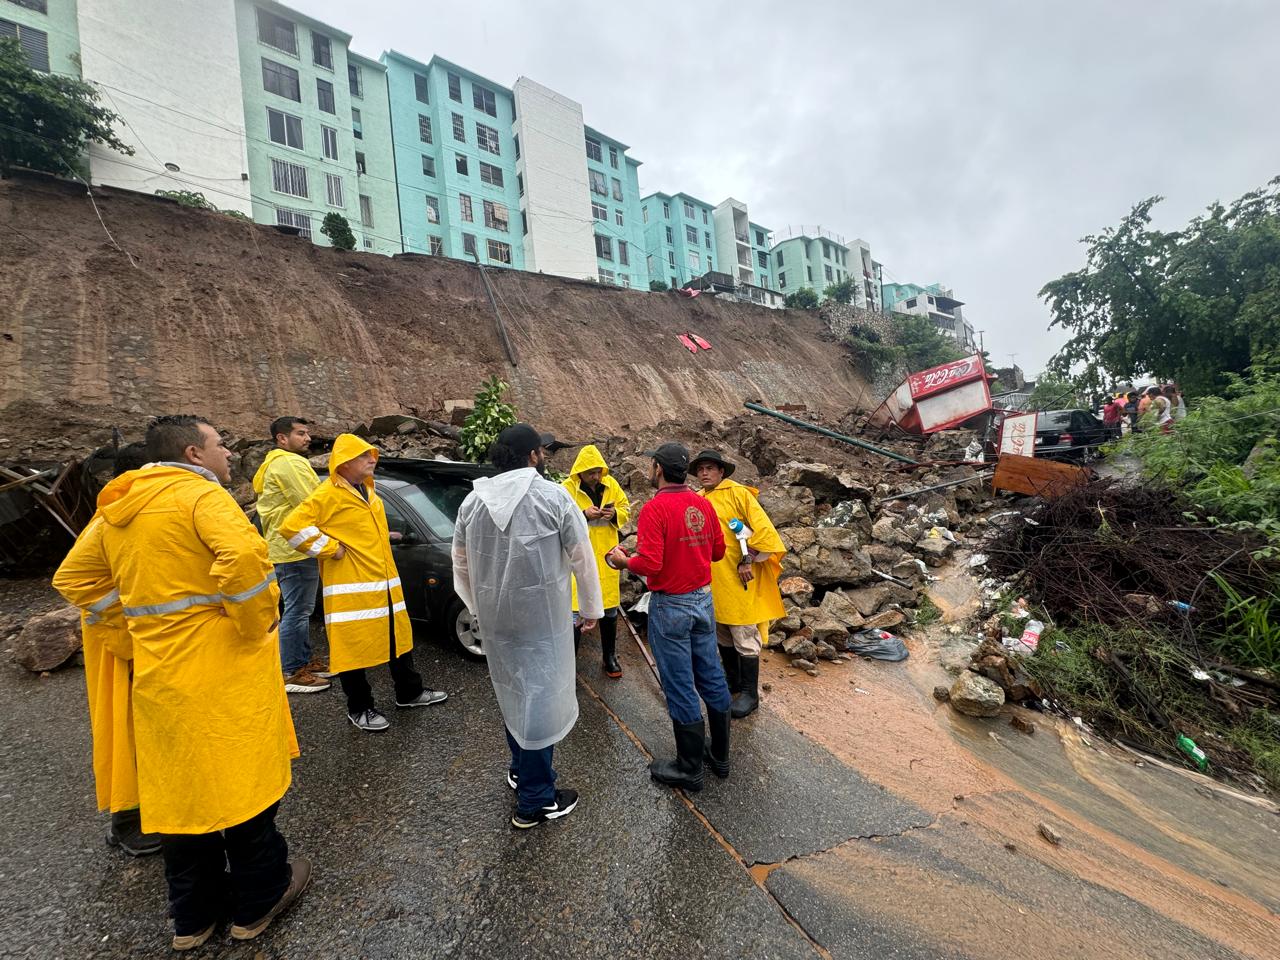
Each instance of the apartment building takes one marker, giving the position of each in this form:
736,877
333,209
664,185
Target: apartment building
869,274
809,257
679,237
935,302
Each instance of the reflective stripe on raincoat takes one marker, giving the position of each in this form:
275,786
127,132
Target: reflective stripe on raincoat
517,541
211,720
357,587
761,601
282,482
604,533
108,653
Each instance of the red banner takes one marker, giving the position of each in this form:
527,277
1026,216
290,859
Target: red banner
944,377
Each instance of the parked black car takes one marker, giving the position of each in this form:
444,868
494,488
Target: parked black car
422,498
1072,435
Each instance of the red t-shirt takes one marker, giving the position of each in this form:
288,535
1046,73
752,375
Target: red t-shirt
677,539
1112,412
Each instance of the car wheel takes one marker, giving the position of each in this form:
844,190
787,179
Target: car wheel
464,630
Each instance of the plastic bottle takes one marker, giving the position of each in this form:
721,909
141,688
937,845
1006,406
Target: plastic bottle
1031,635
1188,746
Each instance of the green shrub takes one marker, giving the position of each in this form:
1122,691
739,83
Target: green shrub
338,229
490,417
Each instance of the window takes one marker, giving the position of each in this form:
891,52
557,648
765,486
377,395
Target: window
827,269
644,214
34,43
329,142
368,242
460,164
764,281
826,250
599,186
285,129
520,184
910,303
704,216
666,210
524,222
495,216
321,51
688,210
433,208
360,166
593,150
39,6
779,258
366,211
617,189
808,271
455,87
515,138
490,174
354,80
484,100
464,206
428,166
613,157
324,96
294,218
782,281
759,238
424,129
276,31
695,262
436,247
499,252
469,244
604,247
459,129
290,178
599,210
691,234
281,80
670,237
357,124
707,239
487,139
617,218
606,276
333,190
624,256
762,258
675,284
671,261
624,279
421,90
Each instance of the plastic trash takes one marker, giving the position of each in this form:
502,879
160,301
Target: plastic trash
978,559
877,644
1188,746
1181,607
974,452
1019,609
1029,640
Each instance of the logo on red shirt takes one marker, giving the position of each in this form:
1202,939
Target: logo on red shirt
694,520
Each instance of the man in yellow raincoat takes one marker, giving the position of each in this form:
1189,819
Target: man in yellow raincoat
108,675
605,508
744,584
283,481
211,718
344,524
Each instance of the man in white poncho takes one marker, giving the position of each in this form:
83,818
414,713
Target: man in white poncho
517,540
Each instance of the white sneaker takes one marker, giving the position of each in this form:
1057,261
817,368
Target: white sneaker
370,720
427,698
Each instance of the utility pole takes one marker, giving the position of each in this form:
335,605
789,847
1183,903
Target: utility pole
982,346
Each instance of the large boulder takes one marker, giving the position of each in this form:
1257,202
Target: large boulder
935,550
49,640
885,619
839,607
835,558
788,506
828,484
956,654
800,645
826,627
849,513
891,529
798,590
976,696
877,596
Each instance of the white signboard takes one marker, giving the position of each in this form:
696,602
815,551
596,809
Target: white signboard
1018,434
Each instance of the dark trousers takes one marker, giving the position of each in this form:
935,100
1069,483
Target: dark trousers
682,636
407,680
202,892
535,776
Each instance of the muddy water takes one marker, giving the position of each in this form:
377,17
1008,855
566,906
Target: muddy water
1166,845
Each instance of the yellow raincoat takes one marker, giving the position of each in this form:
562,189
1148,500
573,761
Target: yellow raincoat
108,656
761,601
604,533
355,587
211,720
282,482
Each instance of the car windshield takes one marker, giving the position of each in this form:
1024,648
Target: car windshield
437,501
1055,418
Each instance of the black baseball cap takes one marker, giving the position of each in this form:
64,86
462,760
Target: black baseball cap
551,444
520,438
673,456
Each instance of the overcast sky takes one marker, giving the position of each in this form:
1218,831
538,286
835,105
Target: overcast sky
971,143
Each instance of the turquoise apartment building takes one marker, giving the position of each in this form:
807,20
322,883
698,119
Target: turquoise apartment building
48,31
617,229
808,257
679,237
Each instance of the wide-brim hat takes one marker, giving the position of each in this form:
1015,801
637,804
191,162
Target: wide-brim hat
713,456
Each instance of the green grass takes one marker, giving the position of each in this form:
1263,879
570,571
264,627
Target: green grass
927,612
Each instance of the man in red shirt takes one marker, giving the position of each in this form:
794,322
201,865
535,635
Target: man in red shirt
678,537
1112,413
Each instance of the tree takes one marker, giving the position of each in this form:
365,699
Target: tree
842,292
803,299
1195,305
490,417
49,120
338,230
922,344
658,286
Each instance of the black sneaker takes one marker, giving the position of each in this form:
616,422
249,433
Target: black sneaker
566,800
513,780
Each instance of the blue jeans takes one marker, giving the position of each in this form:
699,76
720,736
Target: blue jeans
682,634
535,777
298,582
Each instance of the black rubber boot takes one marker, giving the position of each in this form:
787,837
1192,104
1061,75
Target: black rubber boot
747,699
577,638
730,659
685,771
126,833
717,749
608,646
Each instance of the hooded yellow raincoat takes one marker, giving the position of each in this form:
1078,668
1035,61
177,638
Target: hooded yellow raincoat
283,481
211,720
761,601
108,656
604,533
357,587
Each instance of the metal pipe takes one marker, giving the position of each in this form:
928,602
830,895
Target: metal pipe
936,486
831,433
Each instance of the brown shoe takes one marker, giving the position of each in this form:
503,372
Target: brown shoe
319,667
300,876
190,941
304,681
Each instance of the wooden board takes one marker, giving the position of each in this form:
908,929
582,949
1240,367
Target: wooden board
1036,477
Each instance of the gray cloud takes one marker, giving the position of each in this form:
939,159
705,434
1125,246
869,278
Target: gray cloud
971,143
